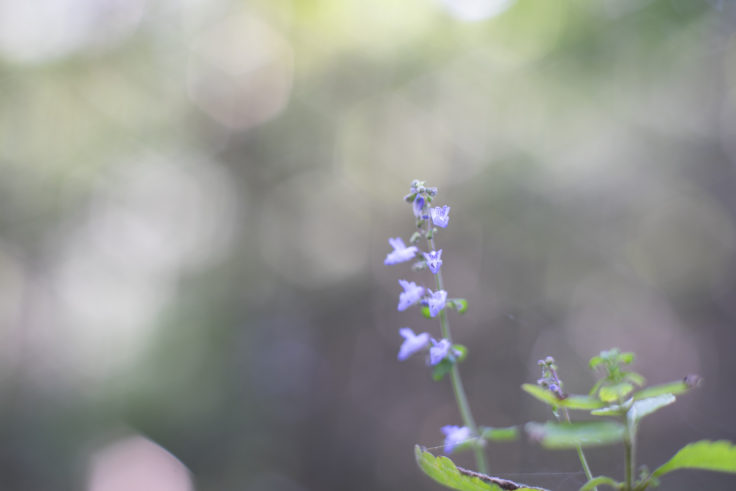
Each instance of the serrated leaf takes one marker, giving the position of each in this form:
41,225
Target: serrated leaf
579,402
676,387
647,406
601,481
719,456
570,435
445,472
499,434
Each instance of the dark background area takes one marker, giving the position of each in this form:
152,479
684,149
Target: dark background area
195,201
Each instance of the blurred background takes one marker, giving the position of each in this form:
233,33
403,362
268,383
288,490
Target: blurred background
195,201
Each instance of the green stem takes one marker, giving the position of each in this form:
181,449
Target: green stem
457,384
630,454
581,454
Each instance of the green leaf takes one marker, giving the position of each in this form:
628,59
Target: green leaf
708,455
634,378
499,434
676,387
425,312
610,393
445,472
595,361
581,402
445,366
441,369
613,409
647,406
601,481
462,350
542,394
459,304
626,358
570,402
570,435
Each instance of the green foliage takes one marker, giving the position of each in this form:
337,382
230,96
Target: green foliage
572,435
459,304
616,392
445,472
441,369
675,388
499,434
578,402
601,481
614,395
636,409
706,455
616,384
644,407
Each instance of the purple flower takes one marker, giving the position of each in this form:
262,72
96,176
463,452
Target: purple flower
418,205
436,301
412,294
433,260
440,216
454,436
412,342
400,253
440,350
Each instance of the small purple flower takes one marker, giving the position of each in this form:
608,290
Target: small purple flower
418,205
454,436
434,260
412,343
440,350
440,216
400,253
436,301
412,294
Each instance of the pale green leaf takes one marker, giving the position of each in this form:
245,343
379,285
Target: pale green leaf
647,406
719,456
601,481
610,393
676,387
626,358
613,409
499,434
459,304
570,435
445,472
571,402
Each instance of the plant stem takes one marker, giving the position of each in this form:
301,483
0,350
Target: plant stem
630,454
581,455
457,384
